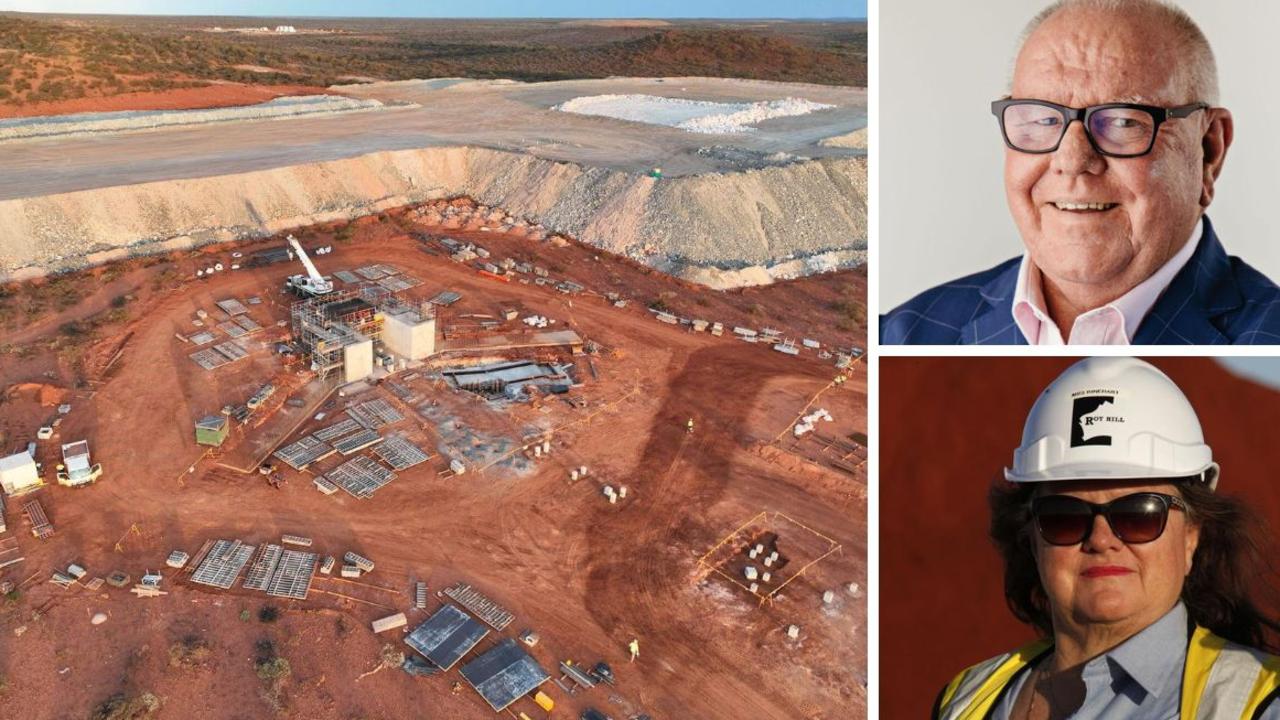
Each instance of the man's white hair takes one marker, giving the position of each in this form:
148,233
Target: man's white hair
1199,69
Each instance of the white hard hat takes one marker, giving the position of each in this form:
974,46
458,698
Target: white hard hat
1112,418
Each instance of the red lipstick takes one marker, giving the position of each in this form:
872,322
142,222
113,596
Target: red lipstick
1105,571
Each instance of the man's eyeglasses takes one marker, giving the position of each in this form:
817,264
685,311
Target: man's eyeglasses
1135,519
1120,130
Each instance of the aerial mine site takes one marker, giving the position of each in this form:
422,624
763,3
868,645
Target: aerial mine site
357,368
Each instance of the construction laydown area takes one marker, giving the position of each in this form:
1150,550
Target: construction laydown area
421,466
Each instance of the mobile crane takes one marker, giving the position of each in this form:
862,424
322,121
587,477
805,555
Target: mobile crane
313,283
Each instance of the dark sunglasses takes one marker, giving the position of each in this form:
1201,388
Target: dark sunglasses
1135,519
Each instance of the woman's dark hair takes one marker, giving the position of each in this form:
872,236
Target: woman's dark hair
1227,569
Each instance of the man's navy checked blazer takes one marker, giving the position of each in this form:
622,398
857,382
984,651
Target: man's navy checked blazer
1214,300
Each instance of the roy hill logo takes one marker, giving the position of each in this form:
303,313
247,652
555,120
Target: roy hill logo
1093,419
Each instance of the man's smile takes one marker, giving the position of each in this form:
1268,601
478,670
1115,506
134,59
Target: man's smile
1085,207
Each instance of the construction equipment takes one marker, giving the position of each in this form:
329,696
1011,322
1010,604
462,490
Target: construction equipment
312,284
40,525
260,396
584,680
75,469
365,564
603,673
390,622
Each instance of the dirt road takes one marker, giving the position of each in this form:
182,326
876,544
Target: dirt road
587,575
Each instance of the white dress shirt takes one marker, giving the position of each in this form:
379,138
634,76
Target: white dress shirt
1112,324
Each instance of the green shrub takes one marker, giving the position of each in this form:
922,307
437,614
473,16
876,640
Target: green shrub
274,669
122,707
190,652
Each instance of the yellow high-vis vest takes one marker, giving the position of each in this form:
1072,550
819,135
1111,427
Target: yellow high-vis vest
1221,680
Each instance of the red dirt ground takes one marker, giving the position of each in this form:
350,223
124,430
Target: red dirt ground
213,96
947,428
586,575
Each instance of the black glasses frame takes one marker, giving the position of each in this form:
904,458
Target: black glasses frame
1159,115
1104,509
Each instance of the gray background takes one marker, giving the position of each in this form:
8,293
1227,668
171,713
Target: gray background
941,195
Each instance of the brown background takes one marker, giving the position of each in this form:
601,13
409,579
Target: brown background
948,427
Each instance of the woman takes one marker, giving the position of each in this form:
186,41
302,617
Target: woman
1118,551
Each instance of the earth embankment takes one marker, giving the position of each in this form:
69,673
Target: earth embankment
721,229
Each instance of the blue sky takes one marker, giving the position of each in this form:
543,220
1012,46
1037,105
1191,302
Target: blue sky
475,8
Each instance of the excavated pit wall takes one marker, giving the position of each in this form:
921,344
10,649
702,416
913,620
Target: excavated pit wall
723,230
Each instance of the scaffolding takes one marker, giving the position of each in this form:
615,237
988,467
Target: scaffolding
324,325
414,312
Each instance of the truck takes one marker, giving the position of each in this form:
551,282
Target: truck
76,469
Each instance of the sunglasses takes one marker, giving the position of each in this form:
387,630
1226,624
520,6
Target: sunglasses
1135,519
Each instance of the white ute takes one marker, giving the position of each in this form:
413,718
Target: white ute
76,469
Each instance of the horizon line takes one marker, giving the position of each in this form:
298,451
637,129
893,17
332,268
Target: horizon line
836,18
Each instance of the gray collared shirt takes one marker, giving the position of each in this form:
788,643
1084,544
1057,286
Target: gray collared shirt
1139,678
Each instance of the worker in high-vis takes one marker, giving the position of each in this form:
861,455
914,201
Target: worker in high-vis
634,647
1120,553
689,426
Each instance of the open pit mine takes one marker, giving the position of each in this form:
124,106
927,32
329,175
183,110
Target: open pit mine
723,182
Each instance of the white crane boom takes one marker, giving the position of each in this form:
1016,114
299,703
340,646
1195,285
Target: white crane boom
314,274
314,283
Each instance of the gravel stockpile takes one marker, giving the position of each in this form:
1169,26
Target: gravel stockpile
856,140
90,123
700,116
725,228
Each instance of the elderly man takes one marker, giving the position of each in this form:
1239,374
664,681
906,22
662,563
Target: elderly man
1113,145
